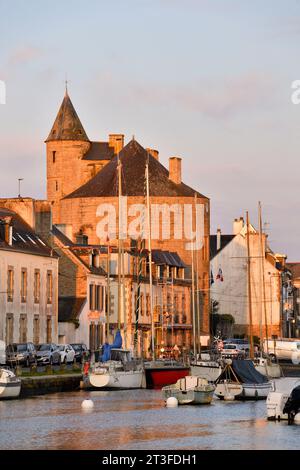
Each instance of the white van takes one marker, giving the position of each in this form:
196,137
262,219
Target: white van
2,353
284,348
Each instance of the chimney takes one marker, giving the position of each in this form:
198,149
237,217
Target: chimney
218,239
175,169
116,141
7,229
154,153
238,224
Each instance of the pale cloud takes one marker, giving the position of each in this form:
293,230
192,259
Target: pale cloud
212,97
23,55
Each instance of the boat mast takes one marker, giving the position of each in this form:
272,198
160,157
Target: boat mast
198,290
150,260
119,243
123,296
108,290
249,287
193,302
262,255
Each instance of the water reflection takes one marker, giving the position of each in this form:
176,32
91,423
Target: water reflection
138,420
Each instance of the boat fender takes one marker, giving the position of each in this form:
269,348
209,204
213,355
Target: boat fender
87,404
86,368
172,402
228,397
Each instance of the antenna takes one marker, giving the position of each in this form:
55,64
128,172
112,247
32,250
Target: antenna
20,179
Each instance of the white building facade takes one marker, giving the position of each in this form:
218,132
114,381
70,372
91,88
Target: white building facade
28,284
229,285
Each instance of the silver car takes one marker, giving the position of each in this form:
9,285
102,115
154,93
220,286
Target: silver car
48,353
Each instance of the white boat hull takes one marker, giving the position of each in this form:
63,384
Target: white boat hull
208,372
269,370
190,390
244,391
232,389
117,380
278,397
184,397
10,385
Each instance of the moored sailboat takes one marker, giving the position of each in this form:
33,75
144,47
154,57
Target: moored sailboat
241,380
117,368
10,384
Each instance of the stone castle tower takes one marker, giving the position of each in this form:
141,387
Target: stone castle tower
72,159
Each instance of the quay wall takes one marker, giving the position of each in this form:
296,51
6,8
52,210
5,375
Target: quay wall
49,384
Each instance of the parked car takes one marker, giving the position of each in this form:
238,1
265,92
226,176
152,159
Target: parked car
241,343
48,353
232,351
2,353
67,353
287,349
21,353
81,351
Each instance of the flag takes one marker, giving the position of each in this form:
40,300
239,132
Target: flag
220,275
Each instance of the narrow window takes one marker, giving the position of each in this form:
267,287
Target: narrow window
56,186
53,156
49,330
9,328
49,287
23,328
92,297
10,284
24,285
97,298
37,284
36,329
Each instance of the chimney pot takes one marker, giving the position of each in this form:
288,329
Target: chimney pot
153,152
116,141
238,224
175,169
6,222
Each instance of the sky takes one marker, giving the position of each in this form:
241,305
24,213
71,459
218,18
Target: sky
206,80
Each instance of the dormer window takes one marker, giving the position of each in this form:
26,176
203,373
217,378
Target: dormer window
82,239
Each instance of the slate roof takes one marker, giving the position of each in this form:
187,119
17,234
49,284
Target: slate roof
99,151
294,268
225,239
77,250
133,158
69,308
24,239
67,125
160,257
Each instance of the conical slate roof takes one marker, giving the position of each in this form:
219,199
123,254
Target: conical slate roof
133,158
67,125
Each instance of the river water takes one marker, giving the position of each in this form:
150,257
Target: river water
138,420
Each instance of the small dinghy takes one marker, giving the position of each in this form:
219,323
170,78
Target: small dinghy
282,399
241,380
10,384
190,390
